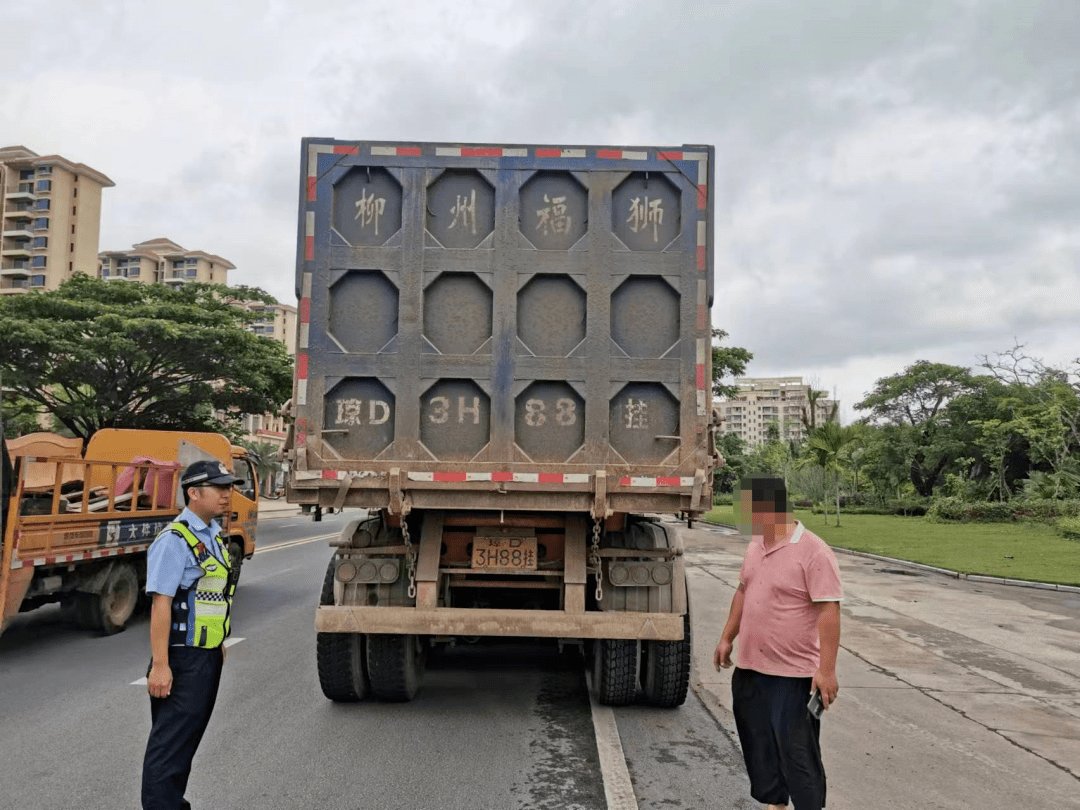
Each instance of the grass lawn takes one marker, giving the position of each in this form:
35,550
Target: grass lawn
1015,550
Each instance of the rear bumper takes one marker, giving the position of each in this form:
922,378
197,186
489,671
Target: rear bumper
488,622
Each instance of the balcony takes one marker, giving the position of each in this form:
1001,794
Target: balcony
13,285
25,191
17,209
18,230
17,251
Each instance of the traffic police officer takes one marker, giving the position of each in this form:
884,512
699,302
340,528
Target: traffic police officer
191,582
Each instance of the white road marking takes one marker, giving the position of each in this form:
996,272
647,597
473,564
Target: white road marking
292,543
618,789
228,643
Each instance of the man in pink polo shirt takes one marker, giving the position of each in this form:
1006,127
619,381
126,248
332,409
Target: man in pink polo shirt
786,615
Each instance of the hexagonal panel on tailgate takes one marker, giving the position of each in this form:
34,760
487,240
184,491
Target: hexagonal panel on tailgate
367,206
551,315
643,418
455,419
645,211
549,421
359,417
554,210
645,316
457,313
460,209
363,311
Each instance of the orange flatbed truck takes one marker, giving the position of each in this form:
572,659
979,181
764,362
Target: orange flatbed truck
76,528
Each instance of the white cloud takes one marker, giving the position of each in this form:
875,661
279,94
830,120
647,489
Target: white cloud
895,180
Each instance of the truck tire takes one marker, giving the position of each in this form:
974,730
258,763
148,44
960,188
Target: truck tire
615,670
395,666
340,656
108,611
665,674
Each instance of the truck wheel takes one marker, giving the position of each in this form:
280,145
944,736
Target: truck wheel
666,670
340,656
615,670
395,665
108,611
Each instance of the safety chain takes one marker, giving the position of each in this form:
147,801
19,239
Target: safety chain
594,559
410,557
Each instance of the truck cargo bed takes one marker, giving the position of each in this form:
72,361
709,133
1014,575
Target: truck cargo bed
503,327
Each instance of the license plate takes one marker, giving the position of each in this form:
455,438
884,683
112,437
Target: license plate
516,553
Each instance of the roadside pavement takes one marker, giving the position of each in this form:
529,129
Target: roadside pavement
277,508
952,693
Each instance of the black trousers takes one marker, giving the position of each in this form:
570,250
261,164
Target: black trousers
178,723
779,739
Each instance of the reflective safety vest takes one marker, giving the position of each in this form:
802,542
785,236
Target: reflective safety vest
205,605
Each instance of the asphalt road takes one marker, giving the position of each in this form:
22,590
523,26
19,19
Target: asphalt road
953,695
501,725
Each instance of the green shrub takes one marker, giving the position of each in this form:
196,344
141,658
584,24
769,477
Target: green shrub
1039,509
722,498
1068,527
1045,509
908,508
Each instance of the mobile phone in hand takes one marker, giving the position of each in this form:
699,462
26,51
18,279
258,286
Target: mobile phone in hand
816,706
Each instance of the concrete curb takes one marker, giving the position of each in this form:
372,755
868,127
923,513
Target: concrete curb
1019,583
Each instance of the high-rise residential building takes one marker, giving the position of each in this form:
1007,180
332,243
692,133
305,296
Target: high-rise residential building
50,213
275,320
163,261
763,401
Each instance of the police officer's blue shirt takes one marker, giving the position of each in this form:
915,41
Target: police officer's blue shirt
170,565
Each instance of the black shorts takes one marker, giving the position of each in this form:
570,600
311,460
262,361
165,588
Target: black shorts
779,739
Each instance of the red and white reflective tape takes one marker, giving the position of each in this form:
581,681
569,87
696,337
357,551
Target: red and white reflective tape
661,481
558,152
396,151
309,236
497,477
304,315
507,477
63,559
316,149
333,475
621,154
702,383
480,151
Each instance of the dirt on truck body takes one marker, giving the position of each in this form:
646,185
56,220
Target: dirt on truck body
504,354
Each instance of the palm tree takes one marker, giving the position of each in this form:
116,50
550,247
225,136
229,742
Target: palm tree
826,446
808,413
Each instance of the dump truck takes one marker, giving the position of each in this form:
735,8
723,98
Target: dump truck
76,525
503,355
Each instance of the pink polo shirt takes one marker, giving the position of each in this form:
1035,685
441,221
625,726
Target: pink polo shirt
778,632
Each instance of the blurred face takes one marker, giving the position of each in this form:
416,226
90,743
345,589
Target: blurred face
757,517
209,500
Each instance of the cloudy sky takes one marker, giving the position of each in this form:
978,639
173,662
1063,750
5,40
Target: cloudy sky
896,179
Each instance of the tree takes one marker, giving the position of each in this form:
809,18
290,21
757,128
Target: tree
18,415
918,398
808,413
825,448
267,456
96,354
727,360
731,448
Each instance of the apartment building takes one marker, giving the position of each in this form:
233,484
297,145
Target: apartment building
275,320
763,401
165,262
50,214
